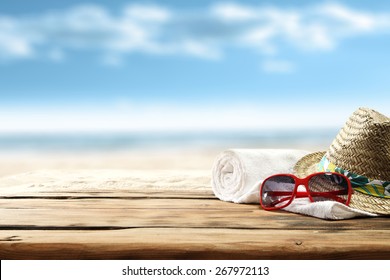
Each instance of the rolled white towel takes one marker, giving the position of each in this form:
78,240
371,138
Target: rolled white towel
238,173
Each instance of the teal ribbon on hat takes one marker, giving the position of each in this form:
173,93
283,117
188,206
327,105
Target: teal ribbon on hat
359,183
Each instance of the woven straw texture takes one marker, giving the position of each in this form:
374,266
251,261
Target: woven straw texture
362,147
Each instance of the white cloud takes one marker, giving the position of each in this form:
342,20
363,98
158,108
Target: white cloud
12,43
201,50
87,18
261,37
207,34
147,13
357,20
278,66
316,28
233,12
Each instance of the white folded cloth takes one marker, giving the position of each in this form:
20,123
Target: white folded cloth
238,173
329,210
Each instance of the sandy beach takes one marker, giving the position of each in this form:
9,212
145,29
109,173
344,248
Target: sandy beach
181,159
26,153
14,163
168,171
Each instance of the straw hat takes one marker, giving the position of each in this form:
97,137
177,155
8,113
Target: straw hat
361,151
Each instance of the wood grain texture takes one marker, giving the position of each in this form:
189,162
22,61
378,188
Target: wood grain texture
160,212
188,243
156,223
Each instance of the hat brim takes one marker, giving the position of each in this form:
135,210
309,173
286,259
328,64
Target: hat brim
307,165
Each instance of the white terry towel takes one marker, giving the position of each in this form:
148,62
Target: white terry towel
238,173
329,210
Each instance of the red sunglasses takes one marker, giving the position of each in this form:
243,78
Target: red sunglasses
278,191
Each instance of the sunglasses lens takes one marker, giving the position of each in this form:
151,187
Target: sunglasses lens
277,191
329,186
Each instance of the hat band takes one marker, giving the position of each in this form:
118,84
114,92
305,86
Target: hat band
359,183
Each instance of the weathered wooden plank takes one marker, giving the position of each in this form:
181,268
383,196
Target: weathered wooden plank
187,243
99,193
159,215
180,213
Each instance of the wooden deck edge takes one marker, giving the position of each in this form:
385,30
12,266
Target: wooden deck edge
193,244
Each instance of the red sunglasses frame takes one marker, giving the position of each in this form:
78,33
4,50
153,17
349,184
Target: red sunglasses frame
305,182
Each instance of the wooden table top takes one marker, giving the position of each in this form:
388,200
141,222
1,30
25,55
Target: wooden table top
167,224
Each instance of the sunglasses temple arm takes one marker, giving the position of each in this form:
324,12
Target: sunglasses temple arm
305,194
276,202
332,194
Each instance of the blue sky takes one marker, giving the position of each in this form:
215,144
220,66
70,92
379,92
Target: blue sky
190,65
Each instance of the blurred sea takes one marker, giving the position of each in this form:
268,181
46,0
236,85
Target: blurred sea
118,142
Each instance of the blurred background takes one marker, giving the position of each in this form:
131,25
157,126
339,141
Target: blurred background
170,84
